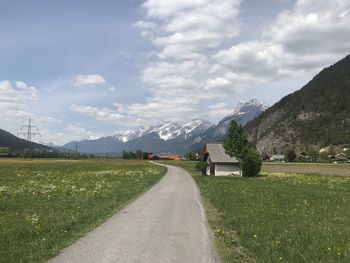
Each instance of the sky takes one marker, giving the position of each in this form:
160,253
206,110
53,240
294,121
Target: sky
92,68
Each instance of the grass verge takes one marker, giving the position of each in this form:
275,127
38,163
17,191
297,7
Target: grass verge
280,217
46,205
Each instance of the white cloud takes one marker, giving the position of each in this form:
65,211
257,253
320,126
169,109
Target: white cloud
86,81
165,8
191,28
184,34
312,35
15,98
119,115
219,110
255,58
313,27
17,103
193,63
76,129
103,114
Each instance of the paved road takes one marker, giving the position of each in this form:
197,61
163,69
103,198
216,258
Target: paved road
166,224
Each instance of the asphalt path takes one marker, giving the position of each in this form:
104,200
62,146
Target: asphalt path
167,224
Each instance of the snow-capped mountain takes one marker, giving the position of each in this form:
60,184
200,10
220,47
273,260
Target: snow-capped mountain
243,113
246,111
171,136
166,130
130,134
166,137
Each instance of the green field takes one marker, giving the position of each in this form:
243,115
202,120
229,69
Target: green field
280,217
46,205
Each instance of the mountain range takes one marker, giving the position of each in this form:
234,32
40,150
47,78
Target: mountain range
316,116
171,137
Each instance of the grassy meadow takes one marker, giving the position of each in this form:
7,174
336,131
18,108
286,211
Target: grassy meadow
46,205
279,217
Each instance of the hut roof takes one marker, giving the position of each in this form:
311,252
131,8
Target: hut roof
218,154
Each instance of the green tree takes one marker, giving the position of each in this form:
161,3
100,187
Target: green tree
251,163
132,155
190,156
202,167
4,150
313,155
290,155
125,155
139,154
145,155
236,144
27,153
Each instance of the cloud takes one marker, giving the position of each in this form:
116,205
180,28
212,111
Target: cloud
198,58
254,58
86,81
76,129
17,103
184,34
15,97
302,40
117,115
81,132
103,114
164,8
189,29
218,110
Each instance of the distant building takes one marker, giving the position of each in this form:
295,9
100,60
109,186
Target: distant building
277,158
303,157
339,158
150,155
170,157
219,162
6,154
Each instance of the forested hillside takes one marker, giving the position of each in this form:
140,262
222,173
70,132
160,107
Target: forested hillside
316,115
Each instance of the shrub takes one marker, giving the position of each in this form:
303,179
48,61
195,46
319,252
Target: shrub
202,167
290,155
4,150
251,163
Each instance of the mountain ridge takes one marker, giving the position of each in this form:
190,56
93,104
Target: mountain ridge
171,137
16,144
315,116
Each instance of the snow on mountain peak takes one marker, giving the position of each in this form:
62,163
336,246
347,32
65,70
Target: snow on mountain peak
239,106
166,130
239,109
130,134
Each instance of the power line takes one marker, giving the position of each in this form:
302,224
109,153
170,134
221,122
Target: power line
29,133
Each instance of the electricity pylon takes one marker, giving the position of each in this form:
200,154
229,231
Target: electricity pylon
29,133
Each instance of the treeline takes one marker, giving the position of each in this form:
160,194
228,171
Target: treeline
42,153
192,156
139,155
